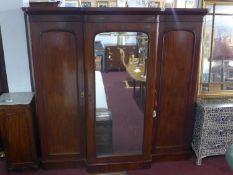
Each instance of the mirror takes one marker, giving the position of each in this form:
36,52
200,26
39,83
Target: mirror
217,56
120,84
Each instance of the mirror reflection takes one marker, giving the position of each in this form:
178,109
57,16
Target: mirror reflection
217,65
120,84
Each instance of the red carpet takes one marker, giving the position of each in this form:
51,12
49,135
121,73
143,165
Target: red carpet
127,118
210,166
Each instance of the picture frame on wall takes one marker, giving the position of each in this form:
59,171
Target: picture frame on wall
120,3
102,4
180,4
168,4
71,3
112,4
154,4
189,4
86,4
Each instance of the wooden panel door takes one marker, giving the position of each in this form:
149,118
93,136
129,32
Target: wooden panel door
58,66
99,161
177,84
174,90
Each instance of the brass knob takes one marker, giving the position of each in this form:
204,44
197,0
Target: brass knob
82,94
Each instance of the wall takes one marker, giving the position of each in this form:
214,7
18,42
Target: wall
14,45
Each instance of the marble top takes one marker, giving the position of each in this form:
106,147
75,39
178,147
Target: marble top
16,98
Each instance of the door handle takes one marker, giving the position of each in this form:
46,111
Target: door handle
154,114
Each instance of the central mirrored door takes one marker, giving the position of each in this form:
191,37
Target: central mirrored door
121,60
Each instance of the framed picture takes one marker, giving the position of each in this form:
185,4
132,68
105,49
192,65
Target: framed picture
86,4
120,3
189,4
71,3
112,4
102,3
155,4
169,4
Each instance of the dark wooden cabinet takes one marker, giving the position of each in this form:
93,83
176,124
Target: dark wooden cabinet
112,55
57,53
17,130
61,45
